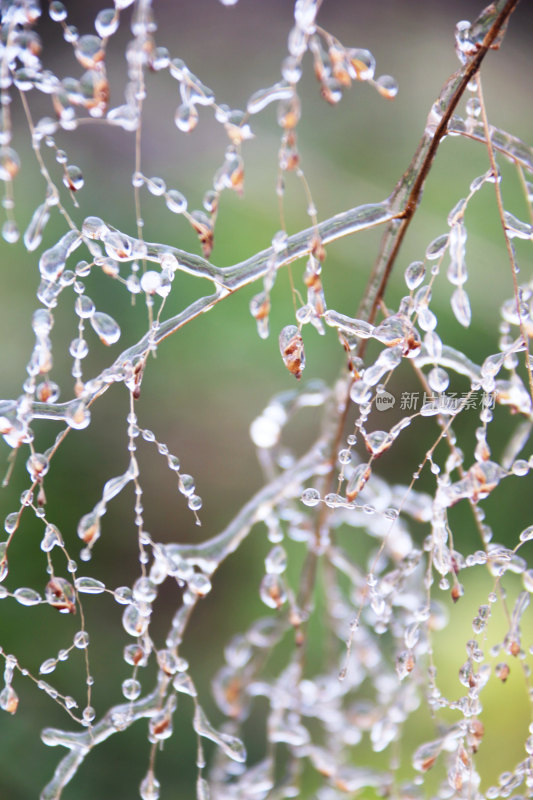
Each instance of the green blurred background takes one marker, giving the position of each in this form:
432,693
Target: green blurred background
210,381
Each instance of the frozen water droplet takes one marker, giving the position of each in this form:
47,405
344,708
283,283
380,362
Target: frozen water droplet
26,596
186,117
89,51
11,522
9,164
105,327
292,350
310,497
520,467
150,281
344,456
134,622
3,563
199,584
88,715
94,228
387,86
156,186
52,538
34,232
106,22
231,745
176,202
131,689
52,261
195,502
73,178
461,306
78,348
123,595
10,231
81,640
89,585
57,11
173,463
187,484
378,441
265,431
273,591
150,787
361,64
183,683
84,306
60,594
9,700
77,415
358,479
259,309
437,247
414,274
48,666
144,590
527,534
160,725
438,379
135,655
276,560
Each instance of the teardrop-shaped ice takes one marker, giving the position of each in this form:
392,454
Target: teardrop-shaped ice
186,117
77,415
89,527
276,560
60,594
150,787
378,441
52,261
437,247
183,683
131,688
88,585
414,274
133,622
106,22
105,327
438,379
461,306
292,350
231,745
273,591
34,232
9,699
26,596
52,538
48,666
